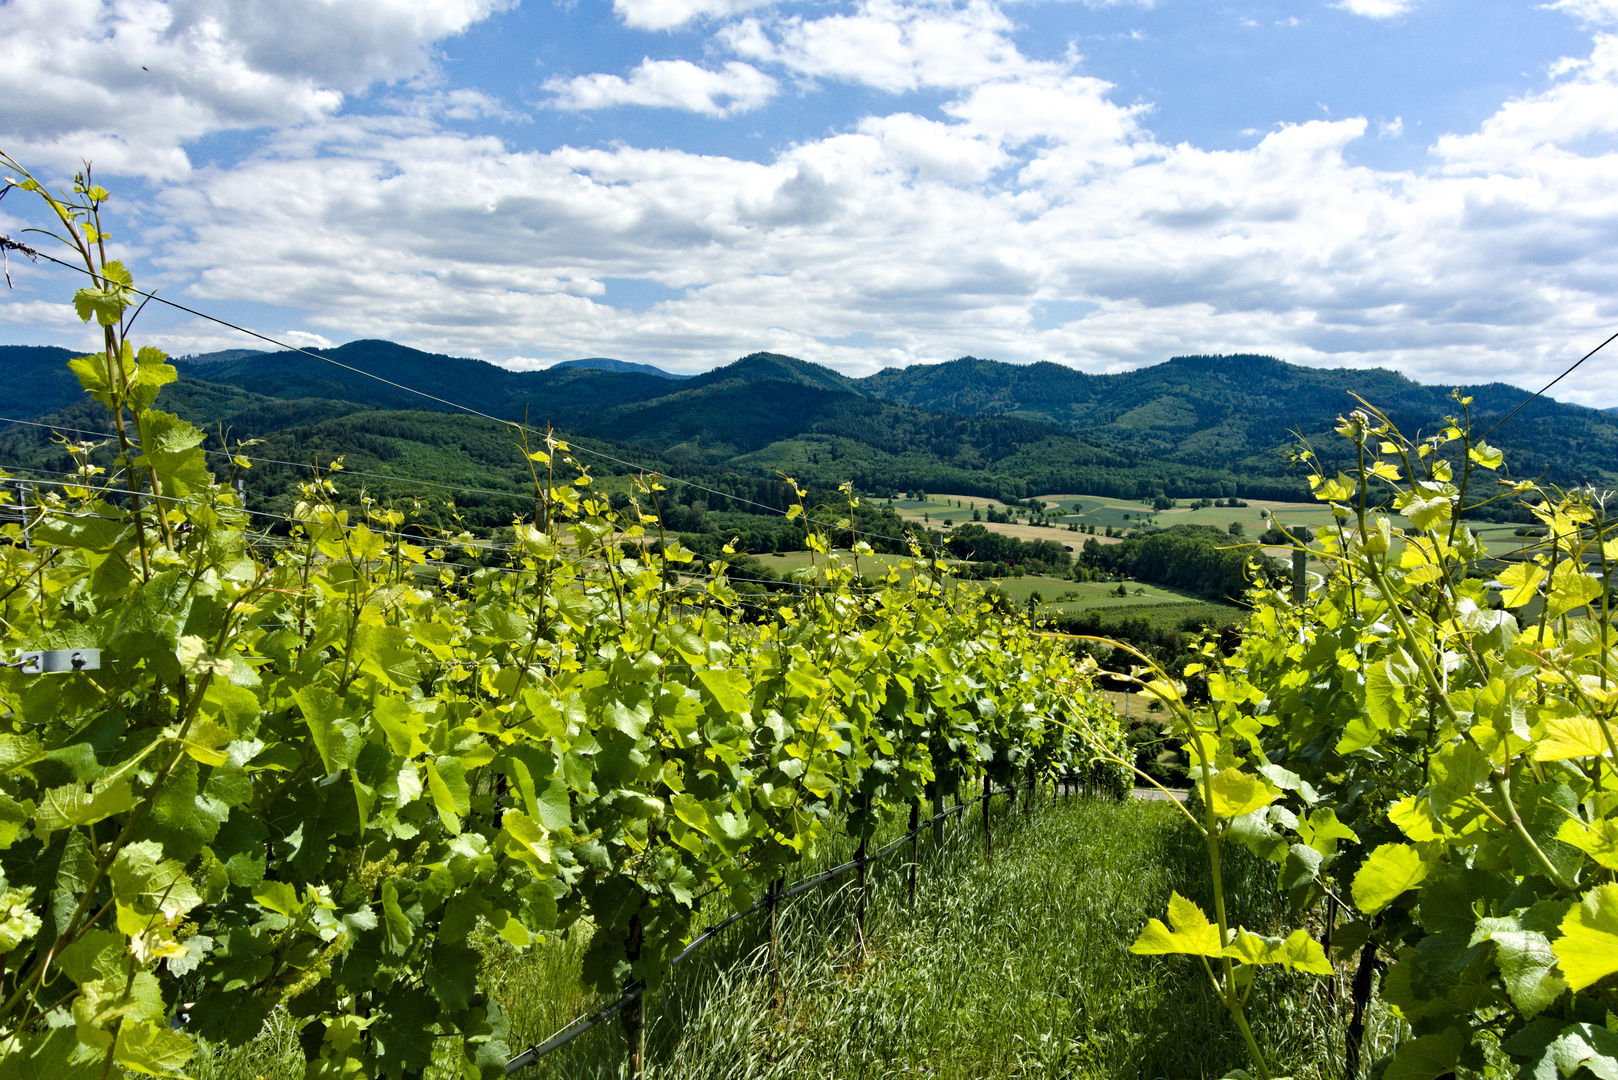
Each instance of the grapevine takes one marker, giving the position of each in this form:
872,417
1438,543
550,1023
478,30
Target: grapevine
310,766
1425,751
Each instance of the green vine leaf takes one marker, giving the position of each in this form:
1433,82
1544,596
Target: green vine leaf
1391,871
1191,932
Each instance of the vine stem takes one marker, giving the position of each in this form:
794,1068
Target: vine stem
1502,788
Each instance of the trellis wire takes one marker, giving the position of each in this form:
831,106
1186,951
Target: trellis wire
574,1028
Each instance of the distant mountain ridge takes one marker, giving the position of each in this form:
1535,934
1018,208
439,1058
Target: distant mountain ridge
1192,425
36,380
1236,410
604,363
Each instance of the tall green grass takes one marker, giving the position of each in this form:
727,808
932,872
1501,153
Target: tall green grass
1015,967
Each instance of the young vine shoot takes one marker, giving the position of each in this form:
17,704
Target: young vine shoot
306,767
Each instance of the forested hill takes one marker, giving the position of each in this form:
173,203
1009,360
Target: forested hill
603,363
1235,410
36,381
1193,426
760,416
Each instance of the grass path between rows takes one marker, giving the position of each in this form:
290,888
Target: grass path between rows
1015,967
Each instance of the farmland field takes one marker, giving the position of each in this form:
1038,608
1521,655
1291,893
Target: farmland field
1059,593
785,562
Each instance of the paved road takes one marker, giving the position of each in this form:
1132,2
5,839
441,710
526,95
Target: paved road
1152,794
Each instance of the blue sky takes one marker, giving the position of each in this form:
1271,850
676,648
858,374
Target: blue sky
1417,184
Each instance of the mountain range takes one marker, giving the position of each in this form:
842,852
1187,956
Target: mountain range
1194,425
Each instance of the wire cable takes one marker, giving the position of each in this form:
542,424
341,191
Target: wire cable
482,545
581,1024
1536,394
278,461
36,254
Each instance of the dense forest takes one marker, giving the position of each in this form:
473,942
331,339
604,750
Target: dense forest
1192,428
1235,411
1197,558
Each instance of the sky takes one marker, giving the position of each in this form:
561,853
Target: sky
1424,185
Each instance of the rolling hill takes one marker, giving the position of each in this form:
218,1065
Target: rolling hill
604,363
1193,426
1236,411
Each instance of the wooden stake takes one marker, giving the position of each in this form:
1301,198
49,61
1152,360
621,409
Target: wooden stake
988,835
859,903
634,1013
774,896
915,838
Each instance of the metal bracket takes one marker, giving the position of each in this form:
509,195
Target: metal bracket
55,661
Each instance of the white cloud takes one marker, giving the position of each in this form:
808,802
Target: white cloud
40,314
458,104
934,149
892,45
303,339
1589,12
668,14
1031,189
1531,133
910,230
1377,9
673,84
129,82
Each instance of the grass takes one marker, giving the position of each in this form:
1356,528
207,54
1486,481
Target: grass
939,506
1101,511
1094,594
1159,616
1012,968
872,563
1018,967
1083,595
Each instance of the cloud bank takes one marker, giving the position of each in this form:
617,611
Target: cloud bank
674,84
130,82
1029,215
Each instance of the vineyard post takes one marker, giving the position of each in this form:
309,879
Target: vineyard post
1362,998
22,512
988,834
1033,788
859,901
1334,989
634,1012
859,871
915,839
938,809
1300,580
773,895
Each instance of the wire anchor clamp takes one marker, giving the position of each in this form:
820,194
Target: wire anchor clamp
58,661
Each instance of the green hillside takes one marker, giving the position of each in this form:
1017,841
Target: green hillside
1235,411
1190,428
763,414
37,380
